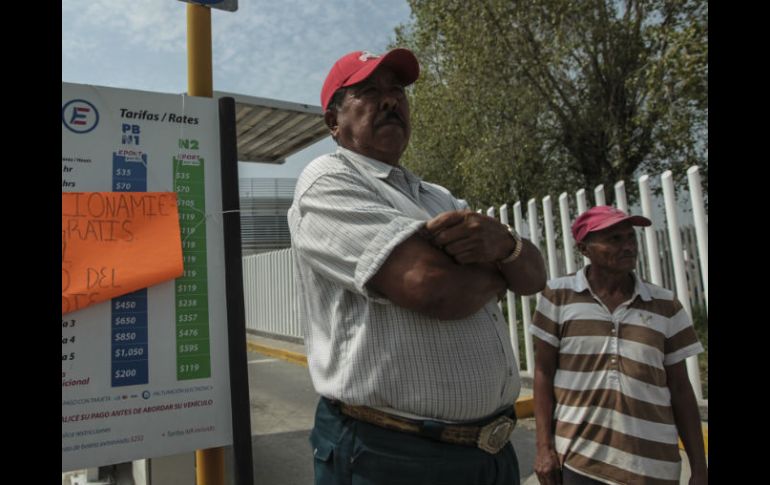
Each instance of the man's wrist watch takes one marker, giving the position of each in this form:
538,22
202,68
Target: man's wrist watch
516,249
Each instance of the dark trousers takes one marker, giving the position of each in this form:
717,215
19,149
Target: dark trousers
351,452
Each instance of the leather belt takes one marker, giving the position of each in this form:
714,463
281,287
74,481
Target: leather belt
490,437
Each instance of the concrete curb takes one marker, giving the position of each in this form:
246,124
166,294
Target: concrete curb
283,354
525,407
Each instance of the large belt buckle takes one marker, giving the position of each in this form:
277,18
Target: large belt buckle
496,434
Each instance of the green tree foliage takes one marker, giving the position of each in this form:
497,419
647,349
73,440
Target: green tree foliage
519,99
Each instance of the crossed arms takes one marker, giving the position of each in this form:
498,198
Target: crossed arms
448,270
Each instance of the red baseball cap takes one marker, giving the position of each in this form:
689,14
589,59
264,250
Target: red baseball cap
355,67
602,217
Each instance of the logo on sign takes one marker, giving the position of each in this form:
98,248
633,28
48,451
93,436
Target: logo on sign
79,116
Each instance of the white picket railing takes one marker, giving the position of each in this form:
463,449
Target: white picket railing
675,257
268,288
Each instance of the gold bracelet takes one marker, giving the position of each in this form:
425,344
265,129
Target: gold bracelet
516,250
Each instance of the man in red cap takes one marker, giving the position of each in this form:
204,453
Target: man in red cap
398,284
611,387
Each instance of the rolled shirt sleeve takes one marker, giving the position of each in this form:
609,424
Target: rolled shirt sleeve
681,339
545,324
346,231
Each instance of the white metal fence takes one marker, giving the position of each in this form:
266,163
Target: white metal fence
674,256
268,288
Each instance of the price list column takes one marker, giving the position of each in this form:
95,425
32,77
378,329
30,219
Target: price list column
193,354
129,335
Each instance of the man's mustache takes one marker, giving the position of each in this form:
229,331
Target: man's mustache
390,117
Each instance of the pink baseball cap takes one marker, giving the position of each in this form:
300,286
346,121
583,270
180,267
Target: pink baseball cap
602,217
355,67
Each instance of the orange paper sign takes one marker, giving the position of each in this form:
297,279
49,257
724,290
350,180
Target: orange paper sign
114,243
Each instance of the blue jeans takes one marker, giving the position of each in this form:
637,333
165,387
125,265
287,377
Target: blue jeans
351,452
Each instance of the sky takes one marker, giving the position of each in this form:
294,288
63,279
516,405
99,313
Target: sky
277,49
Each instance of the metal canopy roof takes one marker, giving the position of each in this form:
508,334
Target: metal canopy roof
269,130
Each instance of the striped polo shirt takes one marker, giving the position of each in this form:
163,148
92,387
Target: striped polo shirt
363,349
613,415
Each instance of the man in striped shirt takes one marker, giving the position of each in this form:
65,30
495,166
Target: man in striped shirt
611,385
398,284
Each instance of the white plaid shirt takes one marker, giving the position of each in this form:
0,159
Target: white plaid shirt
362,349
